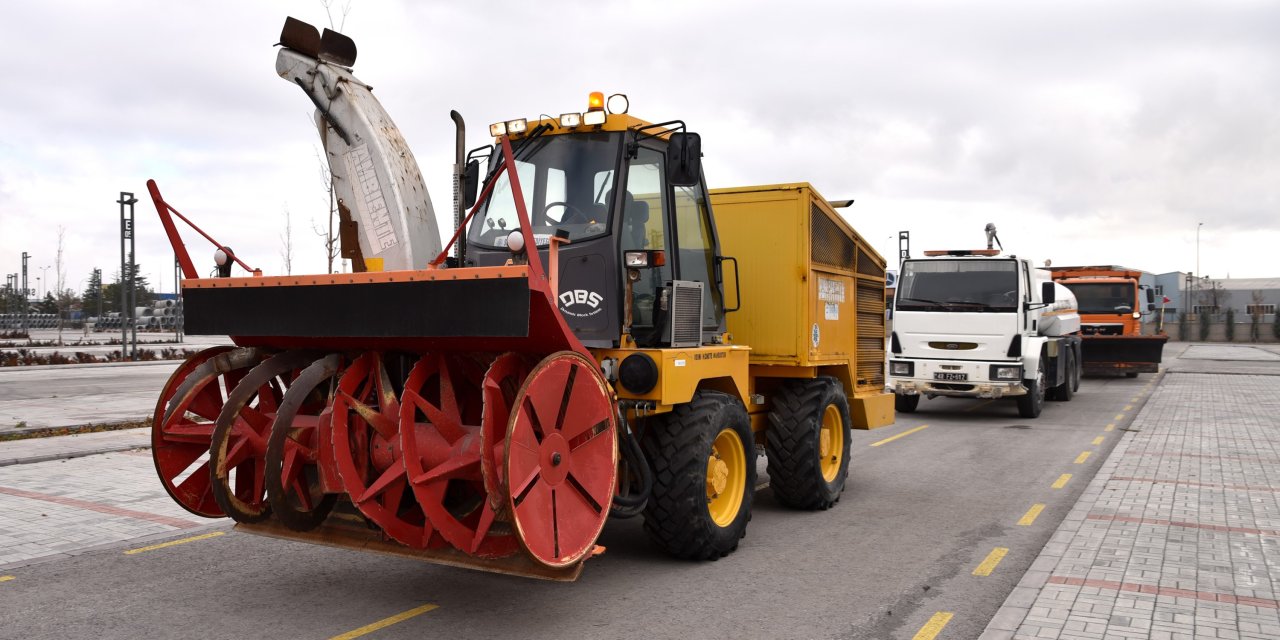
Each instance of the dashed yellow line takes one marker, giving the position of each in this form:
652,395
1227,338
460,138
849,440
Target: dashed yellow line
1084,455
1133,399
385,622
1119,416
1031,514
989,564
1098,440
5,578
1110,427
934,626
900,435
1127,407
171,543
1062,481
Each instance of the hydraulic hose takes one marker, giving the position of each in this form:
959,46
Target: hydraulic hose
632,505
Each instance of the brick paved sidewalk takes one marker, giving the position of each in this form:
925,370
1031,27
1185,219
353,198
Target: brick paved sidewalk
1178,536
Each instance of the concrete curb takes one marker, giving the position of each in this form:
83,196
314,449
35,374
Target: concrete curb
50,457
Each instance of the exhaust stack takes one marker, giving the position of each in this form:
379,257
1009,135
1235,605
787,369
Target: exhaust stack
387,222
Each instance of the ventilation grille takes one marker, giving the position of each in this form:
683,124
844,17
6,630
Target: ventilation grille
830,244
870,335
686,313
867,266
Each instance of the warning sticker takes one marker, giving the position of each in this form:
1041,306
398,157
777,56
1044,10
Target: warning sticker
830,290
375,219
833,310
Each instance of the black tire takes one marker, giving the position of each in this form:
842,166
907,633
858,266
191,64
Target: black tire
1064,391
794,444
678,446
906,404
1031,404
1131,374
1075,378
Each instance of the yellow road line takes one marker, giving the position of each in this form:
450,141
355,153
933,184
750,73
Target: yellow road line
5,578
385,622
171,543
1119,416
989,564
900,435
1127,407
1133,399
1110,427
1031,514
1062,481
1098,440
934,626
1084,455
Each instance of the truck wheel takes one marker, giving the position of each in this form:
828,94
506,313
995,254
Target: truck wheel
703,456
808,443
1030,405
1131,374
1075,376
906,404
1064,391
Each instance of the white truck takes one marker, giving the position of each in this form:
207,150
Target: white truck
978,324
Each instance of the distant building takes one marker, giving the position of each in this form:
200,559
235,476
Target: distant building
1185,294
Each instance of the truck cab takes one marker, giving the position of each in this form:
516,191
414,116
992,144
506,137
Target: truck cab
1112,304
974,323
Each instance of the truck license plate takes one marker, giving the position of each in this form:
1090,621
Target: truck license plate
945,375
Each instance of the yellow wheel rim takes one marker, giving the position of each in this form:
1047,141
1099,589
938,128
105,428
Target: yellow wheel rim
831,443
726,477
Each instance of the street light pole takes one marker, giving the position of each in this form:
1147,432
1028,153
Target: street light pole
1198,248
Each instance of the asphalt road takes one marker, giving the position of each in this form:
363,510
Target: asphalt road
921,513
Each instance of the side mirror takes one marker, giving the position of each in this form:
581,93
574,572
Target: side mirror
684,159
470,183
1047,293
1151,296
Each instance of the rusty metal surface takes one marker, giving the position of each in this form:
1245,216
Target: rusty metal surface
301,37
337,533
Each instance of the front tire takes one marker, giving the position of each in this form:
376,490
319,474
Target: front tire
906,404
808,443
703,457
1031,404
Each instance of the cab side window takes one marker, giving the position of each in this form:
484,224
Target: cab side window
697,250
645,227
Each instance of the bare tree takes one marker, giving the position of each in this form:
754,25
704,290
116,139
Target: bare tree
1255,315
344,8
331,247
1213,295
286,243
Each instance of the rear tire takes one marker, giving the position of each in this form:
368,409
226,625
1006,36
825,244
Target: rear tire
808,443
683,516
1064,391
1031,404
1131,374
906,404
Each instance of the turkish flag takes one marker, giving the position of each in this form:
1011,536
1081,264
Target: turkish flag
1166,299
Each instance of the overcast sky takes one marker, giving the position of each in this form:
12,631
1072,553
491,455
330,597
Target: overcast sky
1089,132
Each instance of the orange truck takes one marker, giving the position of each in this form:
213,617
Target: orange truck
1111,308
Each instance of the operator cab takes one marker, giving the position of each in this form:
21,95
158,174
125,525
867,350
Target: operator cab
618,188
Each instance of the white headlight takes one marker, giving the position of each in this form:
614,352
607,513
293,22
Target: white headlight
515,241
570,120
517,126
498,129
618,103
593,118
220,257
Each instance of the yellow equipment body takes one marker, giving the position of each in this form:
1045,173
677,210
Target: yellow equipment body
812,296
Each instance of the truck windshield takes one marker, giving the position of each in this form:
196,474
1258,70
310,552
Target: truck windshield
958,285
565,181
1103,297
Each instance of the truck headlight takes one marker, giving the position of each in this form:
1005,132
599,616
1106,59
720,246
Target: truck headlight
1006,372
902,368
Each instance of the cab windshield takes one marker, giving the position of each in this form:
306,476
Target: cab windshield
958,285
566,181
1104,297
